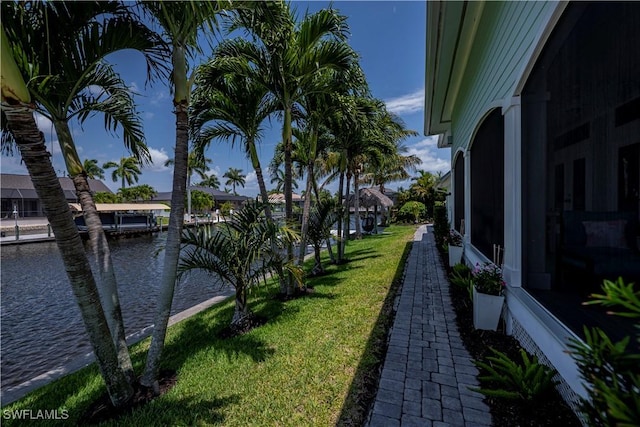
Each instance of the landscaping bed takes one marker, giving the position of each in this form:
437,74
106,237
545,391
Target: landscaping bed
550,410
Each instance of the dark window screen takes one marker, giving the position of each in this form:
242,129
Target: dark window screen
487,185
458,201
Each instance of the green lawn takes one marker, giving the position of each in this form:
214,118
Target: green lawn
305,367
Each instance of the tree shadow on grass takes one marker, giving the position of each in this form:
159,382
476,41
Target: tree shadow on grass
365,382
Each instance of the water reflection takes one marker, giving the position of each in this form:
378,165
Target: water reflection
41,323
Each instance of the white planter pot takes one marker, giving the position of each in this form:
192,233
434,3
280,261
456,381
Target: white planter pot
455,255
486,310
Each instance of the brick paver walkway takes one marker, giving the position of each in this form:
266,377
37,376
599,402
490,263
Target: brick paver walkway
427,371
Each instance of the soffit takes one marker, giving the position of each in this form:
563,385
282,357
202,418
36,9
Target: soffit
451,28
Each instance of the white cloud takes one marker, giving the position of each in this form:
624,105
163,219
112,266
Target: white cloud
432,159
95,90
147,115
251,178
410,103
159,98
158,158
44,124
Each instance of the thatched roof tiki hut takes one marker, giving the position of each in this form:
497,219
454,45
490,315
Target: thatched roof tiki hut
372,197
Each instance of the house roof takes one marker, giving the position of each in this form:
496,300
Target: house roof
278,198
451,29
113,207
220,196
13,186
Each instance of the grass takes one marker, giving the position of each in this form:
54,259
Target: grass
311,364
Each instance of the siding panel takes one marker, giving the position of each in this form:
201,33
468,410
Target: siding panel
504,40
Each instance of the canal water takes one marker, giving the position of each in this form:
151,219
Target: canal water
41,327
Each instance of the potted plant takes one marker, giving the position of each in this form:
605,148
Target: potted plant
488,297
455,247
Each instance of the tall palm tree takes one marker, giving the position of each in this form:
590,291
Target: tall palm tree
240,251
17,110
179,23
63,48
196,163
210,181
235,177
127,170
284,57
236,106
92,169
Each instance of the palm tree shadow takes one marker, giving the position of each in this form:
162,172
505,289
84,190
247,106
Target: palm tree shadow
365,381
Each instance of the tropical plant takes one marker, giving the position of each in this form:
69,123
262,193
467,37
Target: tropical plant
212,181
610,369
454,238
285,56
17,113
412,211
240,251
508,379
230,107
234,177
322,217
201,200
487,279
179,23
461,276
127,170
139,192
92,169
441,226
62,49
106,197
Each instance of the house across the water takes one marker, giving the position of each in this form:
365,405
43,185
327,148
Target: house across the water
539,103
123,218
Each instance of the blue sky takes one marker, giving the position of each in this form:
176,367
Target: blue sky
390,38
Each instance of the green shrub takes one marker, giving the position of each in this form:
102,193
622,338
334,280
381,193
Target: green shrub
440,225
412,211
610,369
511,380
461,277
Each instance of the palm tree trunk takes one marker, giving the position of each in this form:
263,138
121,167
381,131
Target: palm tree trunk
347,215
107,280
30,141
356,205
328,239
288,190
306,210
255,162
340,217
172,250
242,309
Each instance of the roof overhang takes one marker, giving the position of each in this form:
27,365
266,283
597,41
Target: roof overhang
118,207
451,28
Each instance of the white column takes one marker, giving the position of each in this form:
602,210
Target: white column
512,267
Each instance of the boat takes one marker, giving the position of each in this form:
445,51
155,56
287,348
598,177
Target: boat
119,219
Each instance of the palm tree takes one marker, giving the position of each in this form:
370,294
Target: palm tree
234,177
180,23
63,47
197,164
17,109
284,57
322,217
127,170
237,106
92,169
211,181
240,251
